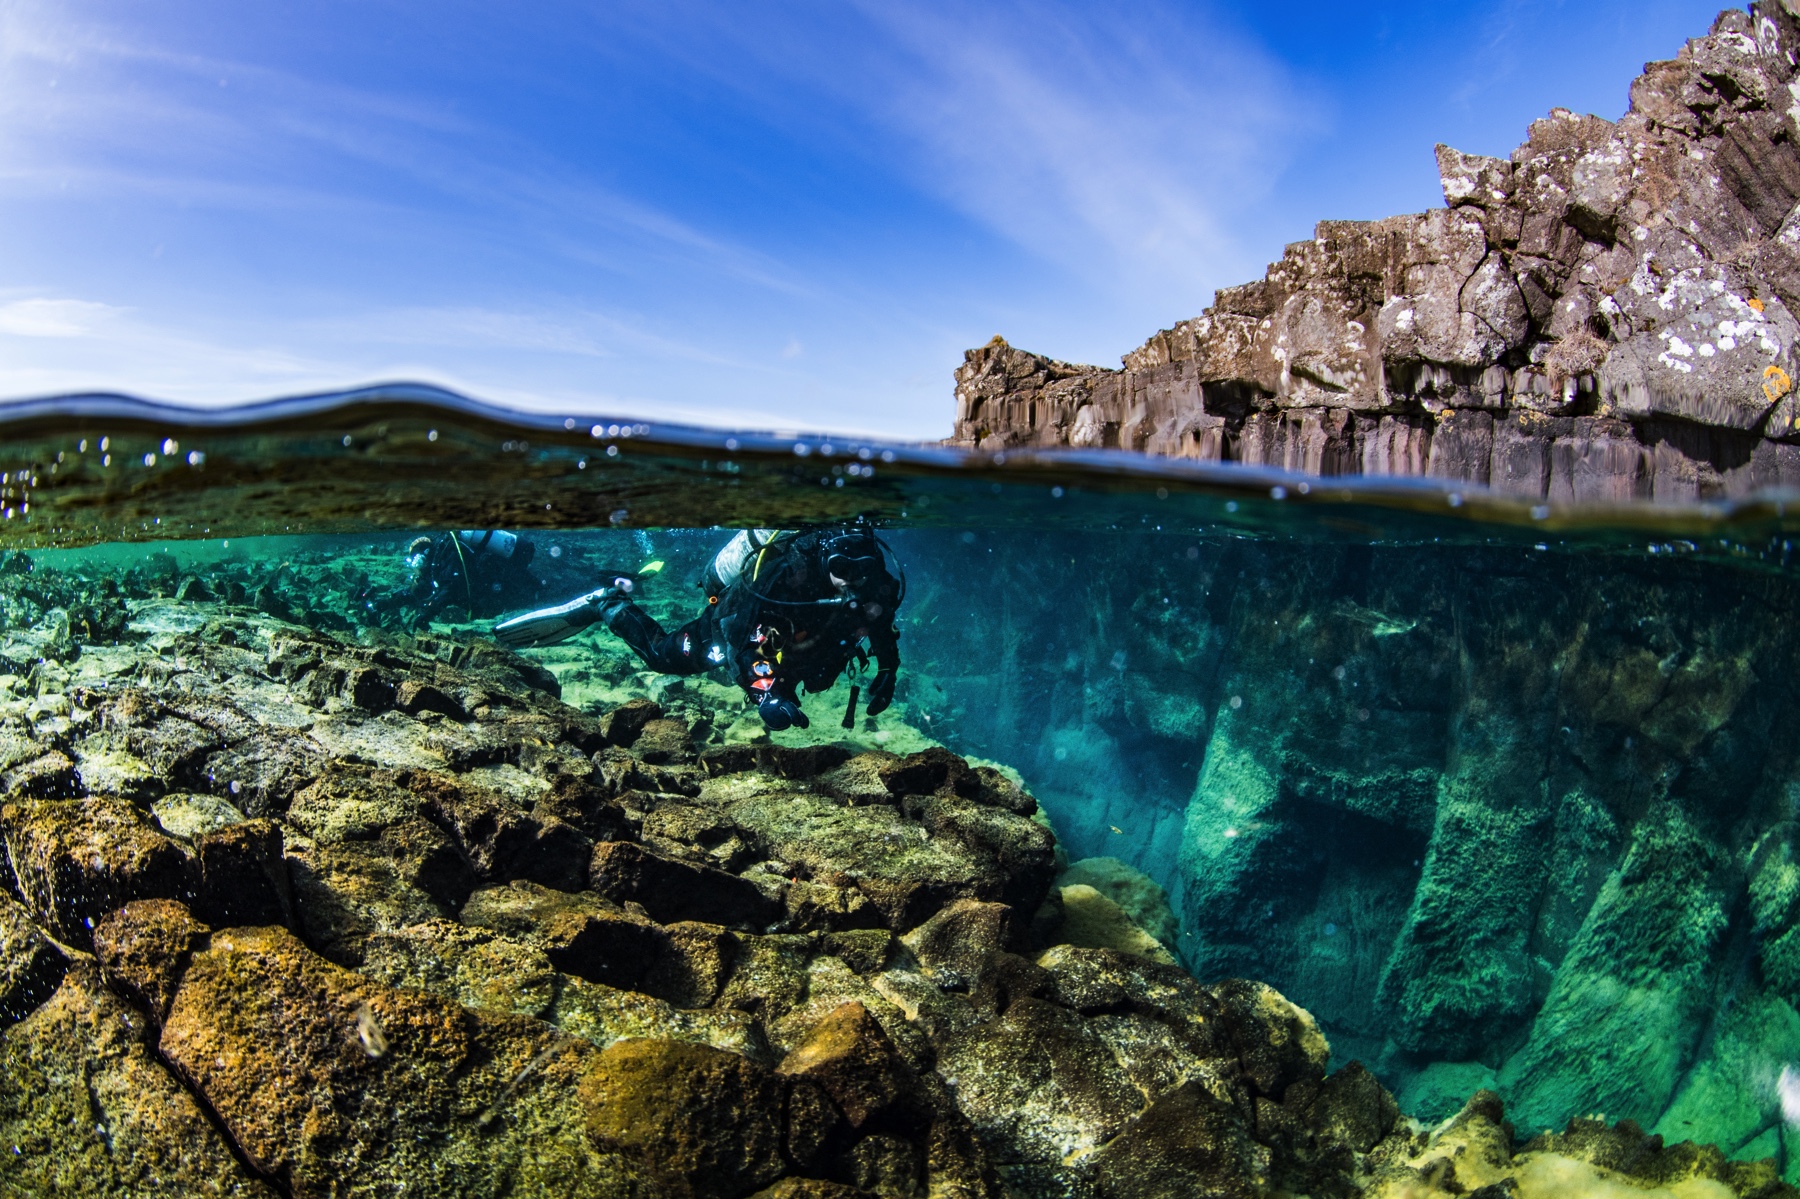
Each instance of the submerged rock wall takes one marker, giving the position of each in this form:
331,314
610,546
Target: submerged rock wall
1497,818
1609,314
292,912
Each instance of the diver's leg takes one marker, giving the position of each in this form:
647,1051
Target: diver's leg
680,652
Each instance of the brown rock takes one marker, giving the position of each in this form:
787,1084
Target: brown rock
49,774
87,1109
850,1058
960,938
593,939
143,948
262,774
344,893
809,1188
1189,1142
1630,272
243,875
75,860
672,890
325,1077
30,966
502,841
414,696
664,740
1277,1042
693,968
706,1123
622,725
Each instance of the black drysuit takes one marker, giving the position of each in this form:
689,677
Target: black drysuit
782,622
484,570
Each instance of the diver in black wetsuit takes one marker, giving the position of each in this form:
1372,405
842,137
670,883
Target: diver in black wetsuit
484,570
783,610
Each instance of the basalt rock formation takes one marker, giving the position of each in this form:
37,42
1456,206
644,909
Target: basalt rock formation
284,912
1609,314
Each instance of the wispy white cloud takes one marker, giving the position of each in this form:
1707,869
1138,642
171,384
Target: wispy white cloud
92,108
40,317
1125,143
1108,140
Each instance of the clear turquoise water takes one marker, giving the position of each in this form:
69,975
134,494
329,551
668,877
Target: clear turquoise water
1505,796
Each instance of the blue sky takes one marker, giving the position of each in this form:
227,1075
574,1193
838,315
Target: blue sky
791,215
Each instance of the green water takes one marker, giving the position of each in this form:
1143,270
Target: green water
1506,797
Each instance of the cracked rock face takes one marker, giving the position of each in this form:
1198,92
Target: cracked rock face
493,945
1609,314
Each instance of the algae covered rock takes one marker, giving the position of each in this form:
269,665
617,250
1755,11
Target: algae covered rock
393,919
1475,1153
30,966
699,1120
365,1068
86,1109
76,860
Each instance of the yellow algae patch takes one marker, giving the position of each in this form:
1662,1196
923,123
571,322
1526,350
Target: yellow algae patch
1553,1176
1092,921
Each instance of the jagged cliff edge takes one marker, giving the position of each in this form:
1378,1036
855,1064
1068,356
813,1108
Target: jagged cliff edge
1608,315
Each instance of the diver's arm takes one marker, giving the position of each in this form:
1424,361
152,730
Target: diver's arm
430,605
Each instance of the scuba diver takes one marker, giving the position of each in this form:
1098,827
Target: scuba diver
784,609
485,570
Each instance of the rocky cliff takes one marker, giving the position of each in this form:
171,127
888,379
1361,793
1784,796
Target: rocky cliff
1607,315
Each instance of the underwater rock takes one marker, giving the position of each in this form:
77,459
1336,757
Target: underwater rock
1578,322
848,1057
518,949
187,816
87,1110
142,949
671,890
1093,921
75,860
1474,1153
30,966
701,1121
364,1069
1139,896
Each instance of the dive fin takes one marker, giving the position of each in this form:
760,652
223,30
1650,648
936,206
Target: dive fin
547,626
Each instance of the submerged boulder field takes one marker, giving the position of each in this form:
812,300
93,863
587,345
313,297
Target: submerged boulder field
291,912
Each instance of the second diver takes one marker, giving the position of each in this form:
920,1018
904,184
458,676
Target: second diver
784,610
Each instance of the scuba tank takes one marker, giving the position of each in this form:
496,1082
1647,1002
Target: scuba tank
496,542
738,556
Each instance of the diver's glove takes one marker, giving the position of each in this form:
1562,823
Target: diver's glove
779,712
547,626
881,692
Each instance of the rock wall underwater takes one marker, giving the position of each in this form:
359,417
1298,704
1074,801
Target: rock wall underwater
1609,314
1497,818
291,904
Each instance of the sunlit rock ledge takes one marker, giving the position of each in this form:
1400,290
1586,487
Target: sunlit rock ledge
1607,315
